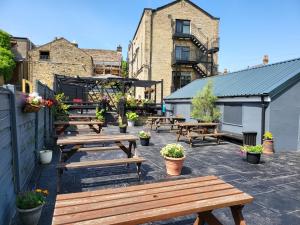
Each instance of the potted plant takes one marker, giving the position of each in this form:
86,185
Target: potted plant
45,156
30,204
174,157
131,118
122,125
268,144
253,153
100,115
144,138
33,103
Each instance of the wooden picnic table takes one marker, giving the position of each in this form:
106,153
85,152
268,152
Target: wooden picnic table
77,144
152,202
158,121
61,126
193,130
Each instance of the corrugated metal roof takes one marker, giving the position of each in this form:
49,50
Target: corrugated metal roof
269,79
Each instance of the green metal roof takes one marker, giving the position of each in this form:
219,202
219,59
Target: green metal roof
268,79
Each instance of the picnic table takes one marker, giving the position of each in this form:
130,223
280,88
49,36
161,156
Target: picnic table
152,202
193,130
61,126
158,121
78,142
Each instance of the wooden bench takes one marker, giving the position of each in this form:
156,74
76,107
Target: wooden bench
61,126
193,135
97,163
152,202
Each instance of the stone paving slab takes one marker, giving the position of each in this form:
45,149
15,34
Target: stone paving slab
275,183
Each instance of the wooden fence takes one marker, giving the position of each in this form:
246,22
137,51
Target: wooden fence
22,135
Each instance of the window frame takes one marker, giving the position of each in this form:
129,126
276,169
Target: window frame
44,58
182,50
177,79
180,24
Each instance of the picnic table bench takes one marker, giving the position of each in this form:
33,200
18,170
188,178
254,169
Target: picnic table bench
158,121
78,142
152,202
61,126
82,117
193,130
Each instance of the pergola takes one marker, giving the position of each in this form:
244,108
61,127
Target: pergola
97,86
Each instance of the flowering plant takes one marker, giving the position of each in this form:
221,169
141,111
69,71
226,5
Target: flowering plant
172,151
34,99
31,199
143,134
268,135
49,103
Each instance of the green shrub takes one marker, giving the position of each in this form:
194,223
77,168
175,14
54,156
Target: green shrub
258,149
172,151
100,114
143,134
60,109
203,105
132,116
7,62
31,199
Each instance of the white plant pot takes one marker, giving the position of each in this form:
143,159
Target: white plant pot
45,156
130,123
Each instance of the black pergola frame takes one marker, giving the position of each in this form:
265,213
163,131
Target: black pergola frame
107,85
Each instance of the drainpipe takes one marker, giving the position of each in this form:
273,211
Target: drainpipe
151,37
264,105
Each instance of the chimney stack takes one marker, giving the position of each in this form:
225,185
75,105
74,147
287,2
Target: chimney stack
119,48
266,60
75,43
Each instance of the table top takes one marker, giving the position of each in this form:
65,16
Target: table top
196,124
88,139
166,117
56,123
149,202
82,116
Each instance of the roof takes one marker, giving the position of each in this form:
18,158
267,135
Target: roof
99,55
170,4
269,80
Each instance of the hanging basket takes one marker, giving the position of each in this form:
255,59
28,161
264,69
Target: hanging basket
29,108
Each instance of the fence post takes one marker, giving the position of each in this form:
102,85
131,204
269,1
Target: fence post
14,137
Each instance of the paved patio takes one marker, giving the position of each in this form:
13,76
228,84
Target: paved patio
275,183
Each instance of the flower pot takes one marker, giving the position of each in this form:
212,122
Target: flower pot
131,123
174,165
268,147
30,216
123,129
45,156
145,141
29,108
253,158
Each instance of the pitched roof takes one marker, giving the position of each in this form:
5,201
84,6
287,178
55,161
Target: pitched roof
269,79
101,56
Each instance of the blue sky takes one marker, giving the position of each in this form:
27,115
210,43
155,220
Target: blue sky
248,28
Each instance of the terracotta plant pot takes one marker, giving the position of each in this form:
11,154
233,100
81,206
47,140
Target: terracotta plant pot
30,216
268,147
174,165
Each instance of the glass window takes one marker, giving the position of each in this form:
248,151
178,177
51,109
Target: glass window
182,53
183,26
44,55
180,79
233,114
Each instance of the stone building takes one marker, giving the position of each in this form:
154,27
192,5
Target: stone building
177,42
65,58
20,47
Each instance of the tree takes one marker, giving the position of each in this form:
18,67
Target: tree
124,68
204,107
7,62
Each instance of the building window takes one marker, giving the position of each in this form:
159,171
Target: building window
44,55
233,114
183,26
182,53
180,79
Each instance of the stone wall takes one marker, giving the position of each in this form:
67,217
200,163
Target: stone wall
163,45
65,59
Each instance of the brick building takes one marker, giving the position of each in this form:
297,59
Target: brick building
178,42
65,58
